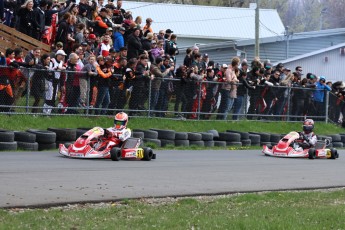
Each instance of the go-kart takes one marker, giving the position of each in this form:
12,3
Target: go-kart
94,144
291,146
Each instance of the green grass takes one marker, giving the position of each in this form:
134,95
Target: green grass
273,210
23,122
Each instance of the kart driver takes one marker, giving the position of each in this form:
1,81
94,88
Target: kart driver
308,137
119,130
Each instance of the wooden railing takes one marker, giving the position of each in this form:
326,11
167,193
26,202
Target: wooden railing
11,38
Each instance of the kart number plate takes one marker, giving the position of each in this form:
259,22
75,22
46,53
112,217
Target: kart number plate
140,153
328,153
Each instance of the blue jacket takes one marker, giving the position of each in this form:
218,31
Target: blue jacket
2,61
119,42
319,93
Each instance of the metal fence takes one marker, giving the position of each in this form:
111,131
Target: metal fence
45,92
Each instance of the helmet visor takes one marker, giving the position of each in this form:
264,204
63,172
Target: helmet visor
308,128
119,123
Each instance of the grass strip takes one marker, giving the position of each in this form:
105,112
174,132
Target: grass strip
321,209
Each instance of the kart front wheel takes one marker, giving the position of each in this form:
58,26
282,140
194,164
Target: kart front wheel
334,153
115,154
312,154
148,154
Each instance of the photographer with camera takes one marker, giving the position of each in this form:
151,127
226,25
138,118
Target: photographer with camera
319,95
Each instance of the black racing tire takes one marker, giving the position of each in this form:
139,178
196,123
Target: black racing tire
312,153
63,134
24,137
334,153
264,137
215,134
6,136
335,137
275,138
234,143
182,143
337,144
165,134
80,132
206,136
27,146
181,136
197,143
5,146
342,136
153,141
43,136
194,136
138,134
115,154
150,134
148,154
246,142
321,137
265,143
220,143
255,138
230,137
209,143
165,142
244,135
46,146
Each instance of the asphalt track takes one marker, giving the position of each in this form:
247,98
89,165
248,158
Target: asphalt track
46,178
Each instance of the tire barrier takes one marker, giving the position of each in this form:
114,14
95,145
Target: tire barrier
34,139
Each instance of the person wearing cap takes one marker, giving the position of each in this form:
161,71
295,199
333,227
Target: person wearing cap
318,98
134,44
102,22
147,28
119,41
204,61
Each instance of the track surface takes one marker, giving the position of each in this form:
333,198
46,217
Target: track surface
46,178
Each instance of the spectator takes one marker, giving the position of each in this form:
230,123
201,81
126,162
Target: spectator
72,88
146,42
28,23
141,75
134,44
40,17
138,20
181,75
188,60
117,89
158,51
209,104
319,95
102,22
79,33
18,55
38,81
119,41
105,46
242,91
84,6
52,84
166,87
147,28
84,84
105,71
204,61
61,35
229,89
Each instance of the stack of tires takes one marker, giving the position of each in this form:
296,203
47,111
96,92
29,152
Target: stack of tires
26,141
147,136
207,138
64,136
342,136
46,139
195,139
181,139
231,139
7,142
336,141
244,137
216,141
255,139
265,138
167,137
275,138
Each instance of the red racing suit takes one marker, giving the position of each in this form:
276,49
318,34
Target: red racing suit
121,134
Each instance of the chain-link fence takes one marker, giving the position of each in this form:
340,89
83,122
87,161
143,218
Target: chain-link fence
41,91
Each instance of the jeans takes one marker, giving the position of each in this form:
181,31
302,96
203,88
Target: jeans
154,99
225,104
237,107
103,99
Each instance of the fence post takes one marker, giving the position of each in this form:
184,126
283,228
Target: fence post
288,103
27,96
88,90
326,104
149,99
199,99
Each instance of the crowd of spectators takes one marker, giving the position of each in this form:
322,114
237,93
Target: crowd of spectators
103,53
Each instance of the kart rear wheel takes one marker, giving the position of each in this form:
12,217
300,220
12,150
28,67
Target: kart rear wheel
312,154
334,153
115,154
148,154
